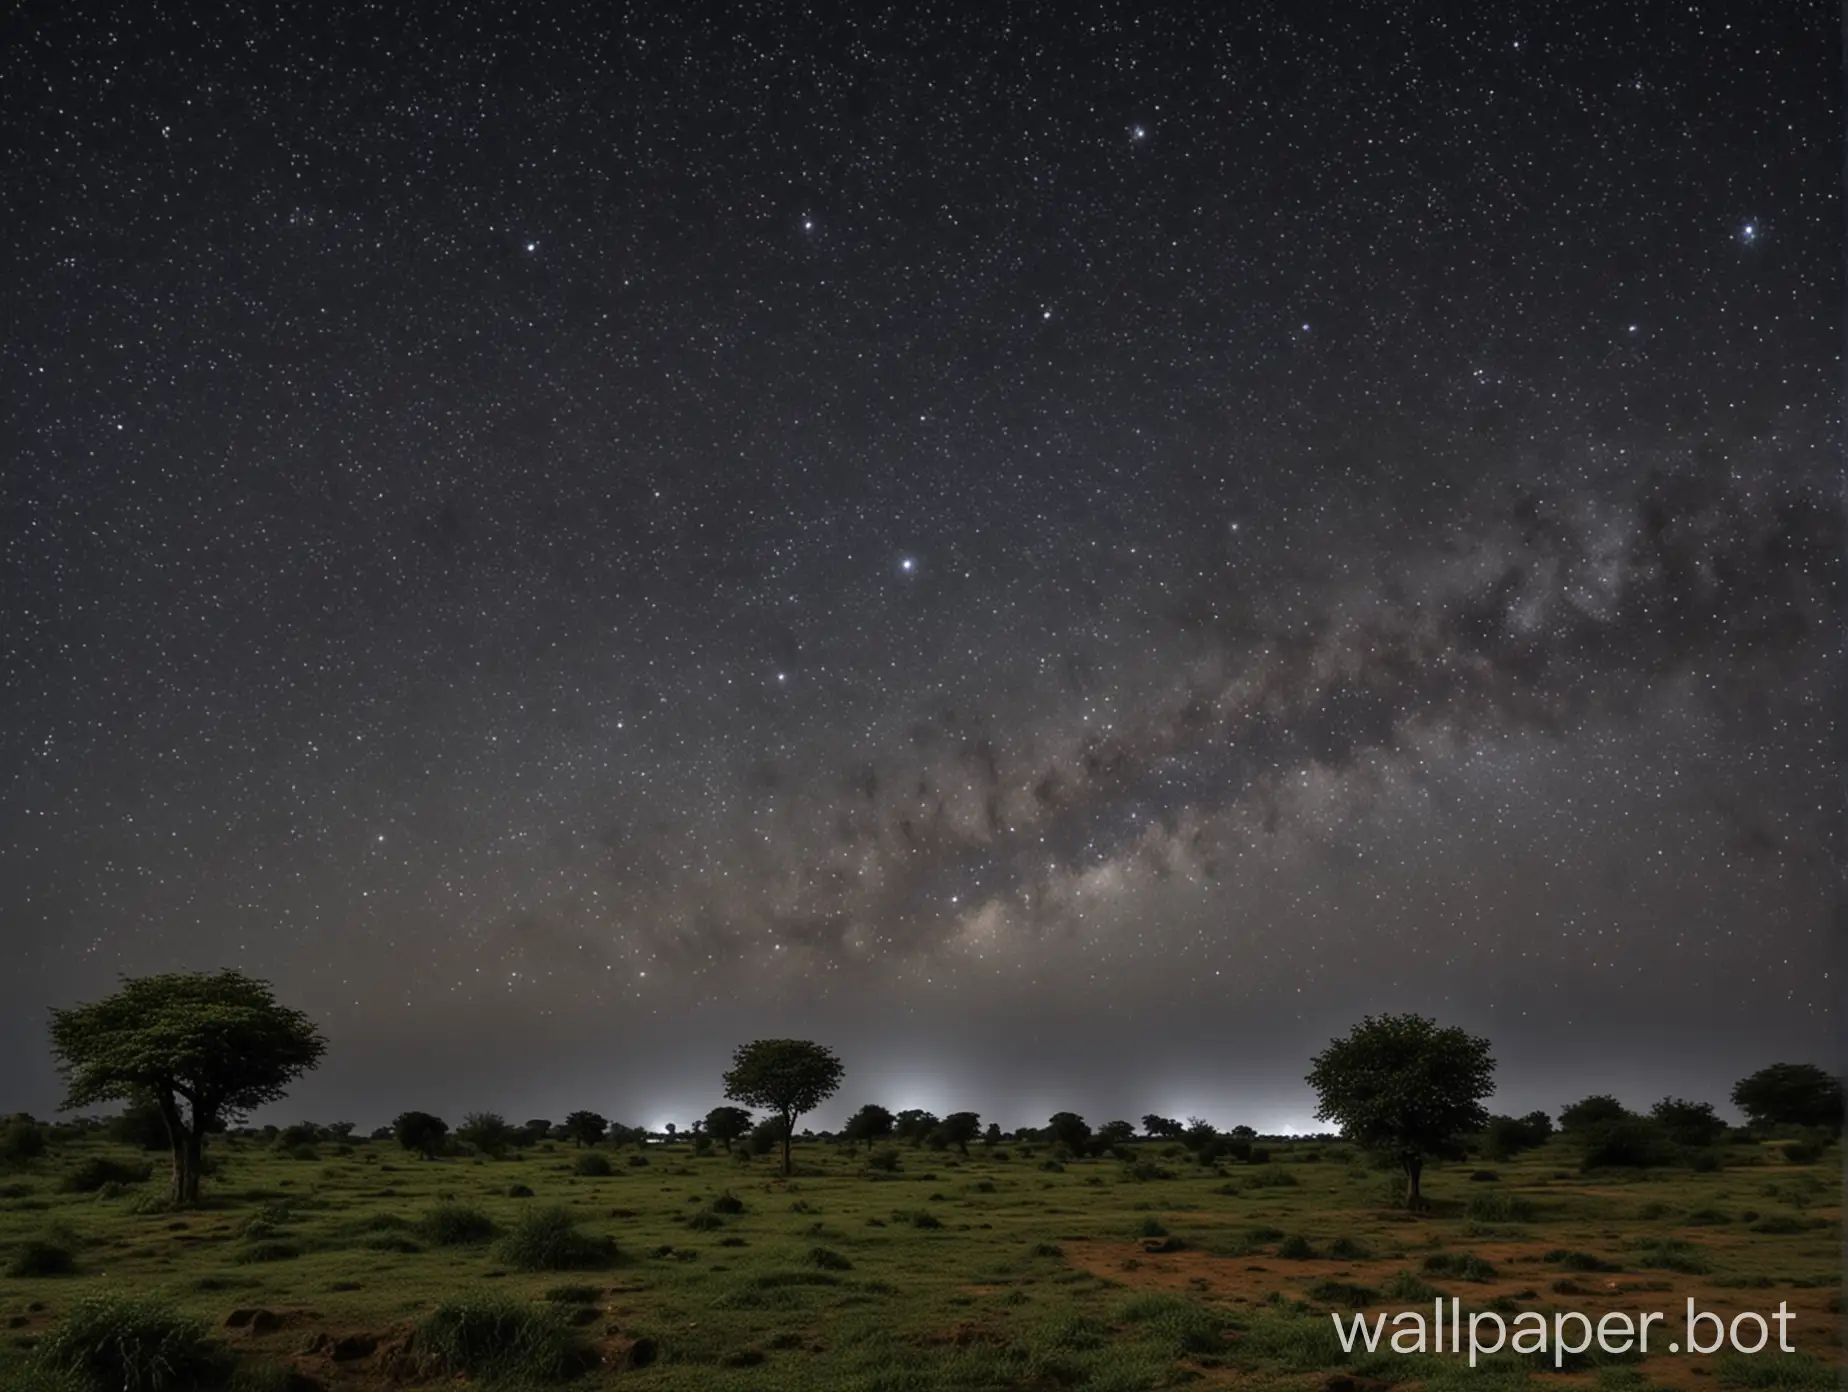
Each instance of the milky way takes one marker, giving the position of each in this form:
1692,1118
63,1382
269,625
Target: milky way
1067,554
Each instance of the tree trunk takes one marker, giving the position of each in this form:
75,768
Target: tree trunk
195,1163
1414,1168
176,1145
789,1130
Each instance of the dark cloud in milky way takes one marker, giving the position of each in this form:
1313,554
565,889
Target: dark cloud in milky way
1068,559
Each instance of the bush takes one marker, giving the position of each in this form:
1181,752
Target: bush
123,1343
1580,1261
21,1142
1151,1227
705,1221
1405,1286
41,1257
727,1202
456,1225
1460,1266
918,1218
1296,1248
1802,1152
1349,1249
886,1160
593,1164
829,1260
549,1240
99,1170
1624,1142
491,1340
1342,1293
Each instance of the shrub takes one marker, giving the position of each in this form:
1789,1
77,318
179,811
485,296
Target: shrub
573,1295
1296,1248
1623,1142
549,1240
705,1221
829,1260
41,1257
593,1164
1460,1266
1672,1254
1349,1249
123,1343
1186,1327
1580,1261
1407,1287
1259,1156
1802,1152
21,1142
1707,1218
1270,1179
494,1339
271,1251
1342,1293
727,1202
918,1218
1045,1249
1780,1225
99,1170
456,1225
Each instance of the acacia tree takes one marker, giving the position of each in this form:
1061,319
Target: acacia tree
1405,1089
216,1042
728,1124
785,1076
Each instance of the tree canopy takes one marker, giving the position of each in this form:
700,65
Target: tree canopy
1790,1094
728,1124
785,1076
216,1041
1406,1089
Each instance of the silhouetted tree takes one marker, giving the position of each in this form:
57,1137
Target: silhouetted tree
204,1047
1790,1094
786,1076
992,1136
914,1124
1688,1123
728,1124
1069,1129
1505,1137
488,1132
1405,1089
959,1128
1115,1133
586,1128
1199,1134
420,1132
537,1130
1161,1128
140,1124
1600,1109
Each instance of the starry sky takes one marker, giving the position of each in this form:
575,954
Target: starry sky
1067,551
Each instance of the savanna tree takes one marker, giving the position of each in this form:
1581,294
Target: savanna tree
728,1124
1405,1089
203,1047
784,1076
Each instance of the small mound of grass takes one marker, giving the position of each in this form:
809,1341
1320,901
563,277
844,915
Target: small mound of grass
705,1221
1342,1293
1580,1261
549,1240
123,1343
1459,1266
1152,1227
491,1340
593,1164
1296,1248
573,1295
1189,1328
42,1257
1672,1254
99,1170
456,1225
1707,1218
1406,1286
271,1251
918,1218
729,1202
829,1260
1349,1249
1499,1208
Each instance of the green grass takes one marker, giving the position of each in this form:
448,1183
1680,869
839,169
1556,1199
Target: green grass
946,1275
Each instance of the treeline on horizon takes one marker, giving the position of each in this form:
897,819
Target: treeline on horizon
190,1054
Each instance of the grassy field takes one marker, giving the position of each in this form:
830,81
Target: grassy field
679,1272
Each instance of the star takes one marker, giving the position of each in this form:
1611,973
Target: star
907,565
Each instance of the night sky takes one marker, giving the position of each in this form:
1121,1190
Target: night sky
1064,551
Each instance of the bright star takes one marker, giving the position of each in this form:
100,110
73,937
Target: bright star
532,246
907,565
1137,133
1749,232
